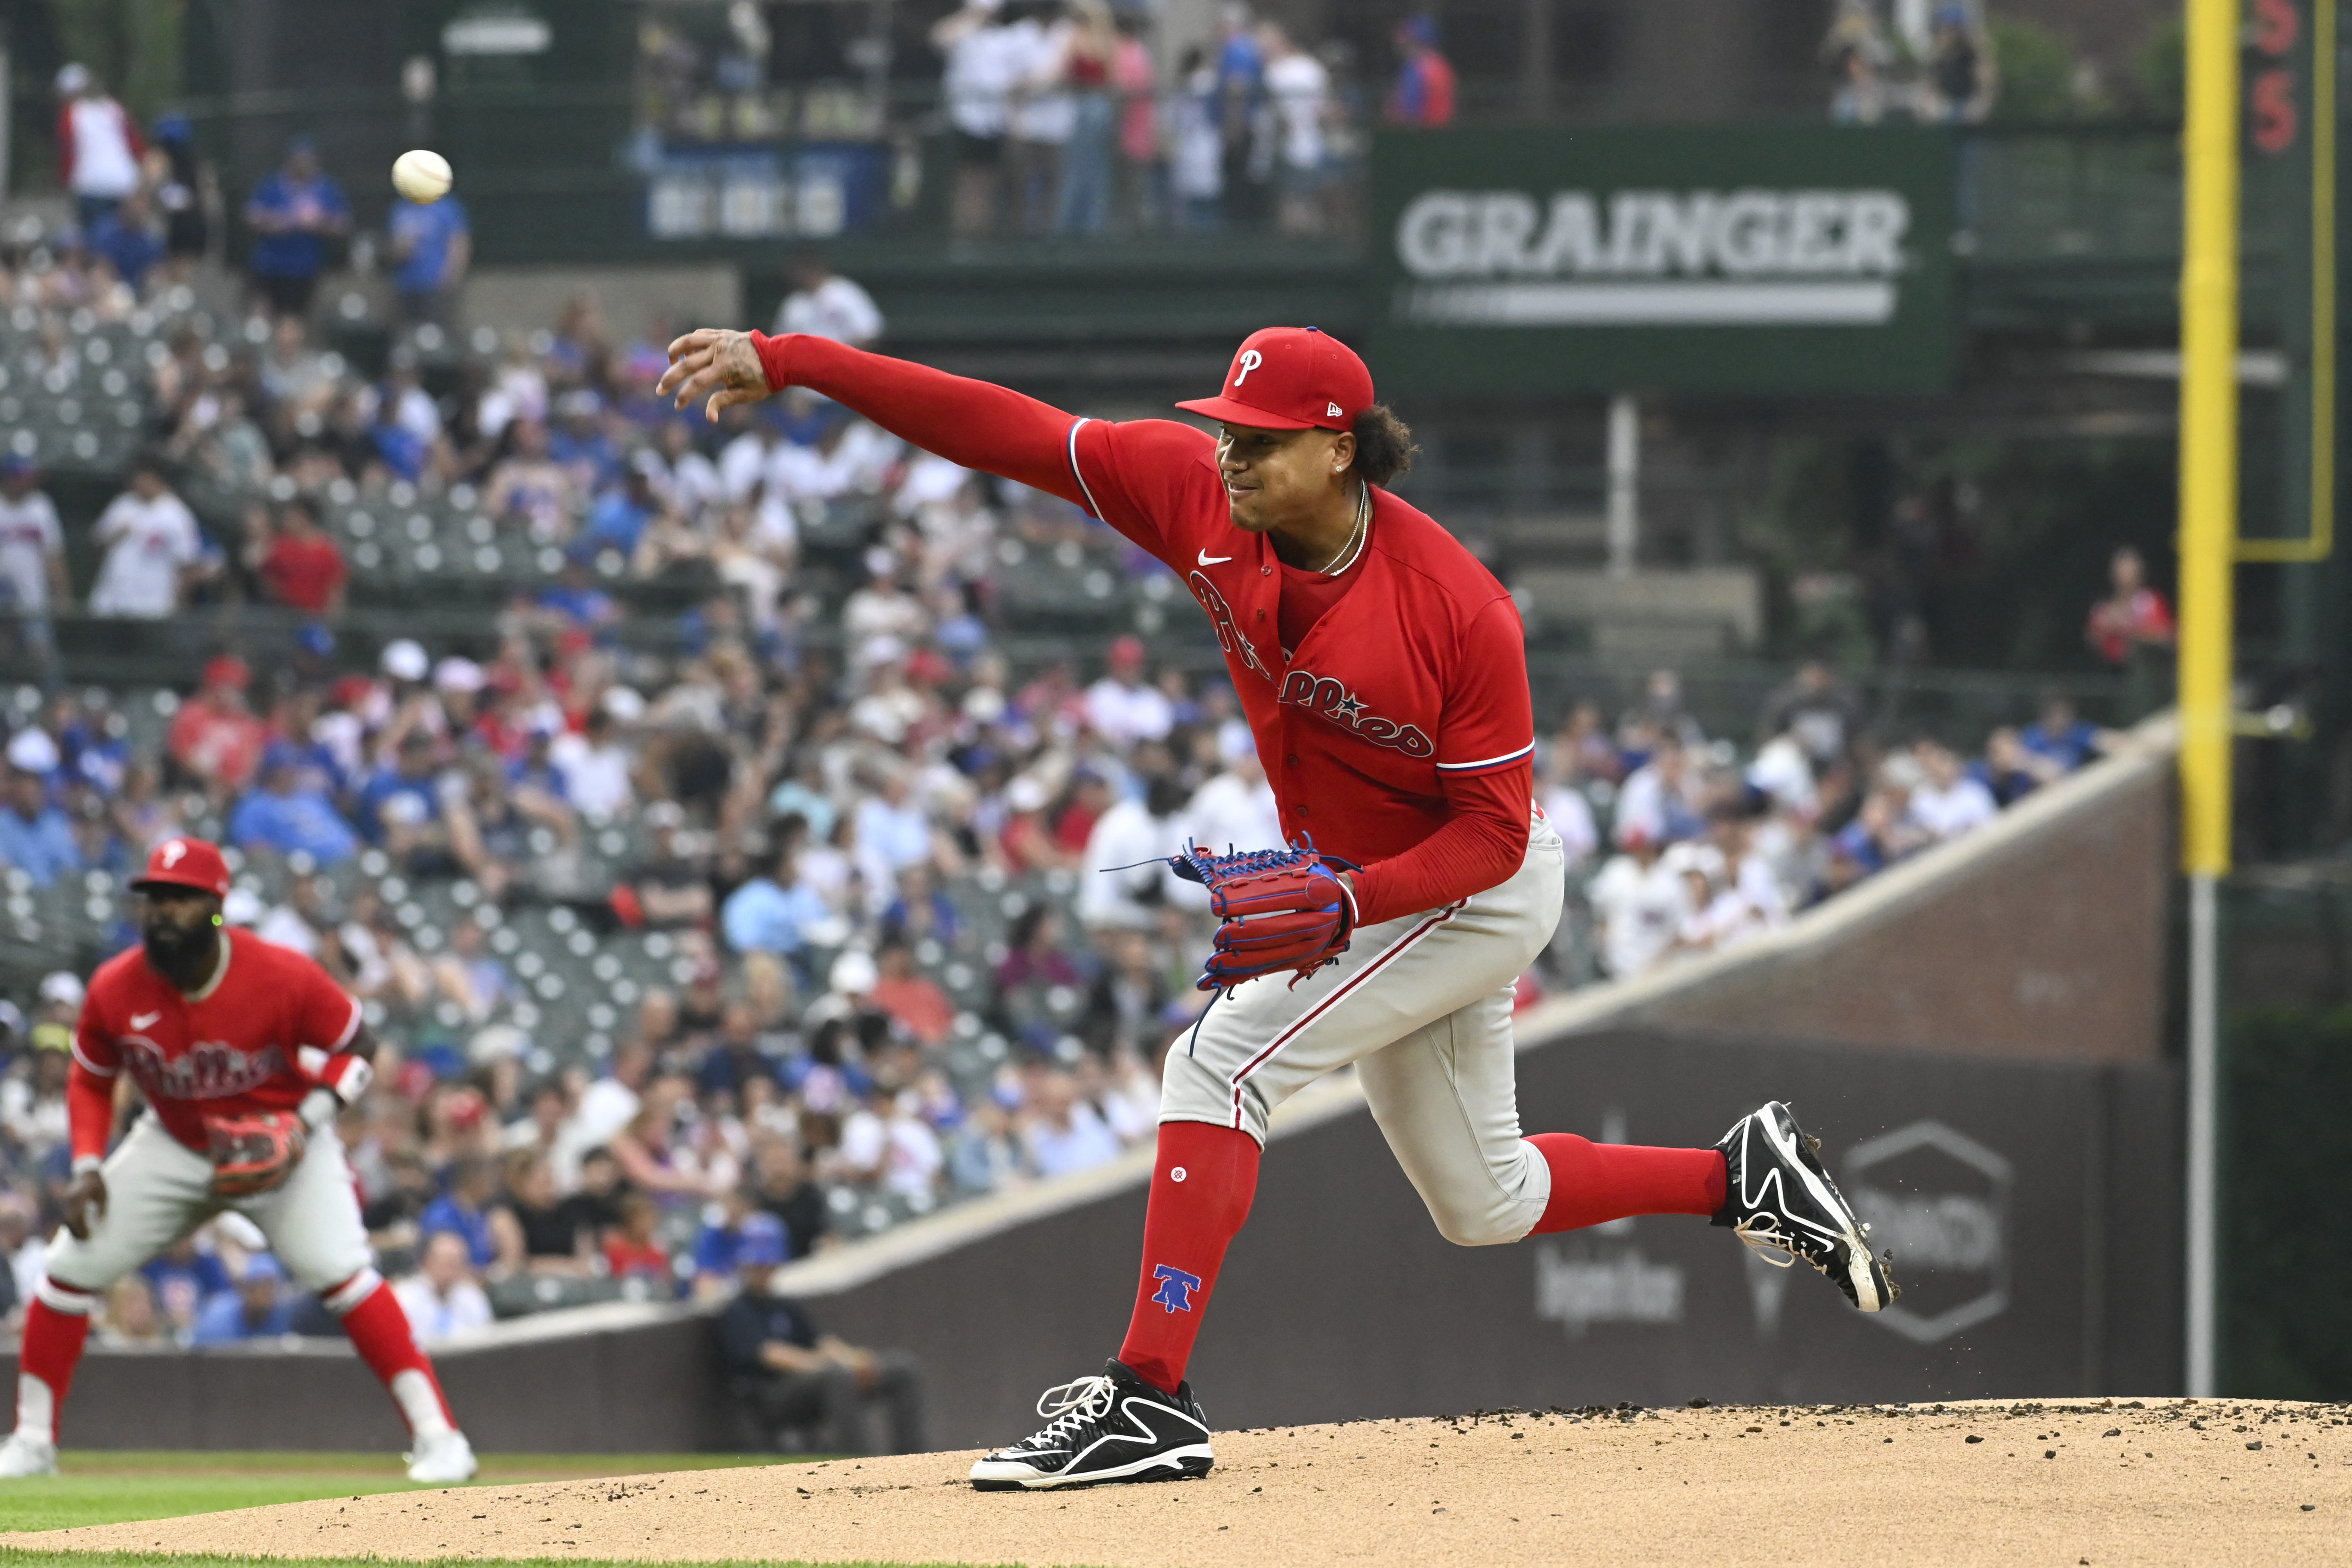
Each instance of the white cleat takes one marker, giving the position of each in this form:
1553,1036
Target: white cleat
23,1455
442,1459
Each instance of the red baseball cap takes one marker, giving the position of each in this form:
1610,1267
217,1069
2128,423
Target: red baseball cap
184,863
1290,378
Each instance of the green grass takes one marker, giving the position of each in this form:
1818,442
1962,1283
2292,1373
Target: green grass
109,1488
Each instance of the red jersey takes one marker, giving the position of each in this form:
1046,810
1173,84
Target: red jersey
1398,732
219,744
304,574
1413,676
228,1049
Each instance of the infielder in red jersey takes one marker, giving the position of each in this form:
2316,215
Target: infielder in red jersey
244,1051
1383,672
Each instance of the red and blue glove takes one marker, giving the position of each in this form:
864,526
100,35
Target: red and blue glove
1281,908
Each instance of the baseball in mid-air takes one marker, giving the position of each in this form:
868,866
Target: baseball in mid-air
422,175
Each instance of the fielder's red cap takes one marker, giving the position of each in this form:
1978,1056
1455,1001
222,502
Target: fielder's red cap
1290,378
184,863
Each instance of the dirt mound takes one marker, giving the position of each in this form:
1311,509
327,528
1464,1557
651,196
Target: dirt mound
2104,1482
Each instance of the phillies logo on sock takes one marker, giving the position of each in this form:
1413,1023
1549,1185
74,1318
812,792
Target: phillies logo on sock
1176,1288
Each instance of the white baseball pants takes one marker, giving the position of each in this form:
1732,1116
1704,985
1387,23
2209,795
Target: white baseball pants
1422,1007
158,1189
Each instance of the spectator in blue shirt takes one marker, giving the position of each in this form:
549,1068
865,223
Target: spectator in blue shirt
620,515
259,1309
580,444
402,795
402,451
718,1246
286,816
296,213
432,245
127,241
773,911
2060,735
185,1277
737,1057
464,1209
574,598
35,836
535,770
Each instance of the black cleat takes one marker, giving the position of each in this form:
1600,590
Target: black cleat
1782,1203
1115,1427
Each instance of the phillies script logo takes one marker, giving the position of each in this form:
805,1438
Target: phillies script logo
210,1070
1229,635
1304,689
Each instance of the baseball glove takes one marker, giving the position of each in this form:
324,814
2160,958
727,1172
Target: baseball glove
256,1153
1282,909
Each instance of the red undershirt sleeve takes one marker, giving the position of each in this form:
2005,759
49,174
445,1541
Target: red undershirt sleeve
1480,846
975,423
89,1111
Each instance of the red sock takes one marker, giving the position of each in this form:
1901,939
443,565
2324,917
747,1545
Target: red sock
1592,1184
52,1349
378,1331
1201,1190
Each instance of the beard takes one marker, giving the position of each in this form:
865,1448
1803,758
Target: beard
172,949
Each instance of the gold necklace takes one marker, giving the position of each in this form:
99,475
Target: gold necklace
1346,556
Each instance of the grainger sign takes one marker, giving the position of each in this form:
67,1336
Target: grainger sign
1793,259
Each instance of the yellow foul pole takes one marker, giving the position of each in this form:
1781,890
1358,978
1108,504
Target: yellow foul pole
2208,433
2209,527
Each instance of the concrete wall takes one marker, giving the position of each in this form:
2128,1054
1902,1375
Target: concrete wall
646,1382
2037,1204
704,296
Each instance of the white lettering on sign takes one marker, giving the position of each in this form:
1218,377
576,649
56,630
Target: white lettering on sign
1649,258
1576,1287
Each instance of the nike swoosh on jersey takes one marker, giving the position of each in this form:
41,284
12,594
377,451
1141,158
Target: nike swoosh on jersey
1209,560
141,1020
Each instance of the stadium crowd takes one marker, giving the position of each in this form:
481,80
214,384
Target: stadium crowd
914,945
1060,122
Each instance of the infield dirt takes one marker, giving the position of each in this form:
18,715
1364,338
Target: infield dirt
2105,1483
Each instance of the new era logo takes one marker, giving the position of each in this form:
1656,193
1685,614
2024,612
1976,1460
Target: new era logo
1332,410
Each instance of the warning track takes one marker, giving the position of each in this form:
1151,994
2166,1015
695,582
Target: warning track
2158,1481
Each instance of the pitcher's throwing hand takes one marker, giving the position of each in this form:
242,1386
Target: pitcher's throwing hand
716,365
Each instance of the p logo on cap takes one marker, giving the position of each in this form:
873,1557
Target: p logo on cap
1291,378
186,863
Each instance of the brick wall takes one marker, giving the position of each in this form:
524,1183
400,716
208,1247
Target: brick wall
2044,936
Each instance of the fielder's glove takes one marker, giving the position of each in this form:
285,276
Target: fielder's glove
255,1154
1282,909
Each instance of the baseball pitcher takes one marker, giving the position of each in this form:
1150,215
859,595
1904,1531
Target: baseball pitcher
1383,672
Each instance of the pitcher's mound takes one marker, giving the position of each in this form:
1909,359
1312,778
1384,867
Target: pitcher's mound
2067,1483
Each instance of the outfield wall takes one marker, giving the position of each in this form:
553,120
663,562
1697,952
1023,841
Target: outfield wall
1978,1034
